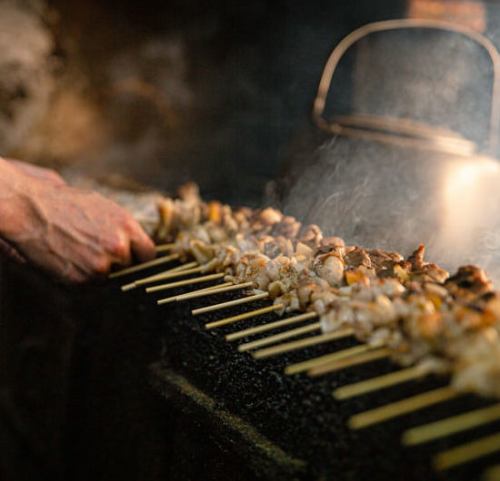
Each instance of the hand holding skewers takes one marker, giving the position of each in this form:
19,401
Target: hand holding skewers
73,234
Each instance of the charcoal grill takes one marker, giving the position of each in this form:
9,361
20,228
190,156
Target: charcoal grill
266,425
290,427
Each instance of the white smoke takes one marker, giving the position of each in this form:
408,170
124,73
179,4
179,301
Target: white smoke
395,197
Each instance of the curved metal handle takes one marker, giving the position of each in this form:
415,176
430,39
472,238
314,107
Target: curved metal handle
353,37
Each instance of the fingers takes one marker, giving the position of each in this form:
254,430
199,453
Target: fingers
53,177
88,233
141,244
120,251
74,275
135,243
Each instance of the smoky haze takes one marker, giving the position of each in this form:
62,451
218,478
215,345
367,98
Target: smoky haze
392,196
166,93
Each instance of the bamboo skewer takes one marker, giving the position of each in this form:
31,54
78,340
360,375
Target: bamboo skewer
209,288
451,425
379,382
165,247
159,276
270,325
373,354
218,289
166,274
215,289
399,408
185,282
317,361
246,315
467,452
492,473
167,300
279,337
128,287
224,305
145,265
302,343
171,274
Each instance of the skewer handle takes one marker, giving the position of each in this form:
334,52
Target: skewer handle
224,305
302,343
245,315
399,408
280,337
270,325
145,265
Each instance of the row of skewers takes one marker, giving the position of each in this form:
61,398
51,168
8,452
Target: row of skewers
408,310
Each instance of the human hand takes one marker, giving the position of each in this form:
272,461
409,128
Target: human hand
7,250
41,173
72,233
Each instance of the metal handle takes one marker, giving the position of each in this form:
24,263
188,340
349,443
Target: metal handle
353,37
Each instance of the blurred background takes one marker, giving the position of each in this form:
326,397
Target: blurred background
221,93
164,92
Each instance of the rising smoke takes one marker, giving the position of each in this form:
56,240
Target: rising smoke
394,197
163,107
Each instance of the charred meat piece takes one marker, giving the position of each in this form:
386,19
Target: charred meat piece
440,323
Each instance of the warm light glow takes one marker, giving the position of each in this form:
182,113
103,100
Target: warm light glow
470,207
466,179
471,14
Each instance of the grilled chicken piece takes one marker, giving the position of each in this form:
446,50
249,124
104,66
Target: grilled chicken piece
428,319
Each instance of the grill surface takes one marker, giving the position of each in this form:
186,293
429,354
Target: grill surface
297,414
226,416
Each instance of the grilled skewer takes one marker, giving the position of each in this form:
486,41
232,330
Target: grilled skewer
408,310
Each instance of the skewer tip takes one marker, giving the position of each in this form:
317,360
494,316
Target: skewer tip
168,300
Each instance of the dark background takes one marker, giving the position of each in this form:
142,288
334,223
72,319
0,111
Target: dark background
232,85
219,93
